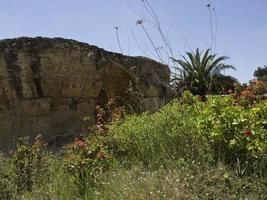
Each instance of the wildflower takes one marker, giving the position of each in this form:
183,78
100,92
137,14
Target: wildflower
232,142
80,143
247,133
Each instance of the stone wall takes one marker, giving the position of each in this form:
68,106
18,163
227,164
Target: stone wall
48,85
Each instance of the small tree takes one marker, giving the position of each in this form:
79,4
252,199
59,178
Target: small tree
197,72
222,84
261,73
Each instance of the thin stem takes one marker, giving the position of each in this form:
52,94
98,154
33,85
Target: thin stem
151,41
154,16
139,46
216,28
118,39
211,28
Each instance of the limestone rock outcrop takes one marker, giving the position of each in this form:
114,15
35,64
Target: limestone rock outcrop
48,85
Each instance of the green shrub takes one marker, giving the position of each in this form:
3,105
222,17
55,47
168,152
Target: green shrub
191,130
7,186
235,132
156,139
29,163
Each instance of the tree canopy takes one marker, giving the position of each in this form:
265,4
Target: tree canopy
261,73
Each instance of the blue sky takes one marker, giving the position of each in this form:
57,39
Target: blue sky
241,26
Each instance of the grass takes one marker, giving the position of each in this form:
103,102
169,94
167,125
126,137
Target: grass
139,183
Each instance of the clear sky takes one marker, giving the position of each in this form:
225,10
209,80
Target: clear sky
241,26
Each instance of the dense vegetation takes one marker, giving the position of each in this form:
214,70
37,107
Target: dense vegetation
189,149
210,142
261,73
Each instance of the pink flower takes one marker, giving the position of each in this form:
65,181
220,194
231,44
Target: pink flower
80,143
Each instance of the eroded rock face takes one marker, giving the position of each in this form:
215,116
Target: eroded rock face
48,85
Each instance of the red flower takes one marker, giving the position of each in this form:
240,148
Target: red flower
80,143
247,133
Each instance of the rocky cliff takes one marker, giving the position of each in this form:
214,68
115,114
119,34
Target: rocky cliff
48,85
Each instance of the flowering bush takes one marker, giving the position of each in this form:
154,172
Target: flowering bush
234,131
29,162
88,157
190,129
248,95
112,111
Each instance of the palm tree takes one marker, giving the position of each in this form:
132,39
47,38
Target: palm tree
197,71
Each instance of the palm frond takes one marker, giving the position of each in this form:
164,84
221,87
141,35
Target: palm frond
196,71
